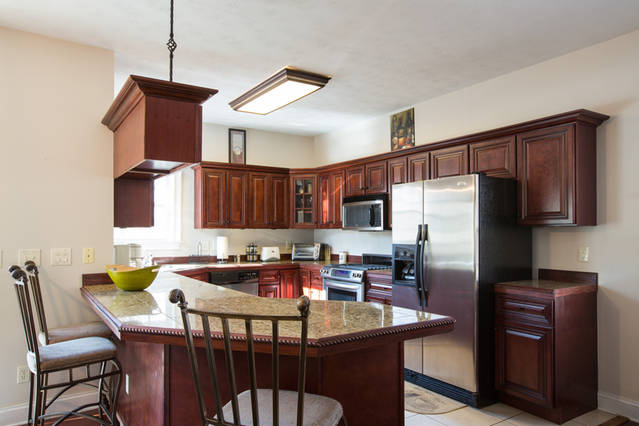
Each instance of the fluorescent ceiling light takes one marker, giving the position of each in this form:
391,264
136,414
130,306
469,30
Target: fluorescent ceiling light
281,89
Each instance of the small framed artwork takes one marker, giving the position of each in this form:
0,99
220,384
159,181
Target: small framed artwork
237,146
403,130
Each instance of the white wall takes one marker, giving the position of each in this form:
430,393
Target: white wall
603,78
56,171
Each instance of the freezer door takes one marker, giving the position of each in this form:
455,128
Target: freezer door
408,201
450,211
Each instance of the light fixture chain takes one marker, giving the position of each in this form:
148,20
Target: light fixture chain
172,45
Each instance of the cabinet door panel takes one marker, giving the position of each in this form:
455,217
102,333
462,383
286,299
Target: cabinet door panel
524,363
279,200
211,212
494,158
303,201
336,195
272,290
418,167
376,182
289,284
259,200
324,201
449,161
238,199
546,175
355,182
396,174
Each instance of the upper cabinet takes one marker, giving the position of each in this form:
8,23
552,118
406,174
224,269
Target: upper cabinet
268,200
210,198
330,195
278,199
417,167
376,182
396,174
303,194
355,181
451,161
495,157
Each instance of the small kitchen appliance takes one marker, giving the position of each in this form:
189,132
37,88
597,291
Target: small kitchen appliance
365,212
346,281
306,251
270,254
244,281
222,244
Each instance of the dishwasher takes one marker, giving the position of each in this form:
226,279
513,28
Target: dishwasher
244,281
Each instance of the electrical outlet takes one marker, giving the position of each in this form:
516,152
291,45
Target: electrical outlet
23,374
60,257
29,254
583,254
126,383
88,255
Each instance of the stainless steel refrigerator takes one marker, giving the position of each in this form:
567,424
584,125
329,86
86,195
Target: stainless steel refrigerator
453,238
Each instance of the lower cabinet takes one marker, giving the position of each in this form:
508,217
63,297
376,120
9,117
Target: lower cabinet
269,290
311,283
546,348
379,288
290,284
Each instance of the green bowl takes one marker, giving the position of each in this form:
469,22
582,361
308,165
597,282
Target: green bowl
133,280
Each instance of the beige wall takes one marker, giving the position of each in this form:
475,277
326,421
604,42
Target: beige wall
56,174
603,78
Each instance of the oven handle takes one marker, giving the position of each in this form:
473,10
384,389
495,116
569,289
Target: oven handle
335,284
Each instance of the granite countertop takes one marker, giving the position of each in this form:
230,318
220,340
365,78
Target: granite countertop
149,312
243,265
548,286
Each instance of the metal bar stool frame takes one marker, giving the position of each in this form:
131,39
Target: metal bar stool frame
177,297
107,394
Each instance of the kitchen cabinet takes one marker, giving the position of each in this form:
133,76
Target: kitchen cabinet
290,284
268,205
355,181
279,201
397,173
376,179
451,161
495,157
271,290
133,202
379,288
557,176
210,198
303,196
546,344
311,283
330,195
418,167
238,197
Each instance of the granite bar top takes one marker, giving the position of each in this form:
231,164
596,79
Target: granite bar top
548,286
139,315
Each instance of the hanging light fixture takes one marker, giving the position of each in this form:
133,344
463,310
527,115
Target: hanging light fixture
284,87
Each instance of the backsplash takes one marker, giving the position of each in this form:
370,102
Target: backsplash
355,242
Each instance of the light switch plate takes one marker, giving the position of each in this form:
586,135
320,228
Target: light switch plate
29,254
60,257
88,255
583,254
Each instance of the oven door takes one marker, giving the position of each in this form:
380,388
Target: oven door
340,290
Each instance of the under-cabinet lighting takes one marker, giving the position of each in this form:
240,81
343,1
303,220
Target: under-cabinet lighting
284,87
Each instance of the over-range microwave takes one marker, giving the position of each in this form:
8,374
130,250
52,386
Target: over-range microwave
365,212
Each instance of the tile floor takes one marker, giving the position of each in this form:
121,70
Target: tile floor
498,414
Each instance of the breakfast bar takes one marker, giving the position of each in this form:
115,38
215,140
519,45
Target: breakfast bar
355,349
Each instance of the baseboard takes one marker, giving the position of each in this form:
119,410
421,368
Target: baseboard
17,414
618,405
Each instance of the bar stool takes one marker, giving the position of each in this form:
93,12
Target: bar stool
60,334
263,404
80,355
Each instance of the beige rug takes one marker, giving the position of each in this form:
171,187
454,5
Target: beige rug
423,401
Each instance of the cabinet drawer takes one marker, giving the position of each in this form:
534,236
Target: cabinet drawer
269,277
316,279
525,310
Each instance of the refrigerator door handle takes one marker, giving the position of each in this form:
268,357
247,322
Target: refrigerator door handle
418,264
424,288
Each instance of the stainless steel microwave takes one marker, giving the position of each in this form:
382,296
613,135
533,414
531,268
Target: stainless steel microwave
365,213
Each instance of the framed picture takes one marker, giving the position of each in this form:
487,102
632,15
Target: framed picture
237,146
403,130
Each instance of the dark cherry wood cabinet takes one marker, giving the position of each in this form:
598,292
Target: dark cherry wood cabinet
323,200
210,198
271,290
546,344
311,282
259,201
495,157
418,167
376,178
557,175
303,199
379,287
355,181
238,199
278,196
133,202
330,195
290,284
449,161
397,173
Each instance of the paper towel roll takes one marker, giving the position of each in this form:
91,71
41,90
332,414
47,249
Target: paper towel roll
222,244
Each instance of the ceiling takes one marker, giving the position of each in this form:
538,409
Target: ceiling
383,55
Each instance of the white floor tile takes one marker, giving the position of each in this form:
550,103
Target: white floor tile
593,418
501,411
525,419
408,414
421,420
466,416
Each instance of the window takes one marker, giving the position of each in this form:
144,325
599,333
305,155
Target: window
166,233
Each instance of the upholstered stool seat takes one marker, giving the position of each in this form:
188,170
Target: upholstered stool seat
72,353
318,410
75,331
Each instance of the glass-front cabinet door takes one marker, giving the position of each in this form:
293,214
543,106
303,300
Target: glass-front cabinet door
303,200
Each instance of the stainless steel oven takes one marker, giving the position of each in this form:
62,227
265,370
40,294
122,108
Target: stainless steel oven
346,281
342,290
